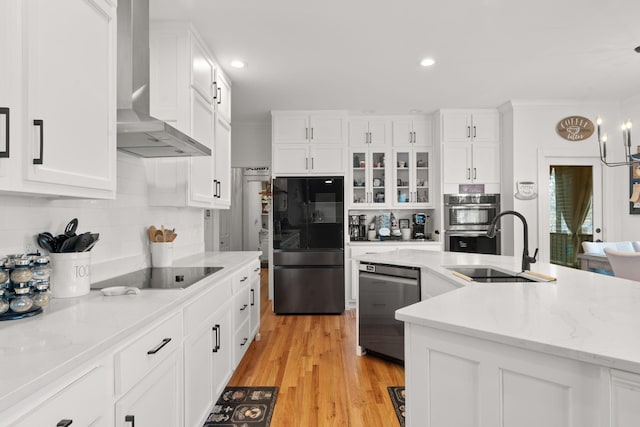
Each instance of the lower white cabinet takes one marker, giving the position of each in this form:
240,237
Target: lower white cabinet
156,400
223,365
625,398
241,314
254,283
79,403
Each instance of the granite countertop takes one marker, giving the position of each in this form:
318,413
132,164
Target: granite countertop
584,316
72,331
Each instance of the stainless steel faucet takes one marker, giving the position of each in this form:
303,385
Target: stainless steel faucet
526,259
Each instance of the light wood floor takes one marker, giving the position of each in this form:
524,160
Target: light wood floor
322,381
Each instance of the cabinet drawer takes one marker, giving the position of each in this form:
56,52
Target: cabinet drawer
240,279
82,402
254,270
241,342
241,306
206,305
146,352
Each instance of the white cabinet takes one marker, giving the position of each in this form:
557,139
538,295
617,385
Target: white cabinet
241,308
412,130
369,130
412,168
369,177
624,398
471,149
79,403
309,143
465,126
254,284
223,365
62,123
185,90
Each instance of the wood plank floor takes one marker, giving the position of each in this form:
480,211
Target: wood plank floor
322,381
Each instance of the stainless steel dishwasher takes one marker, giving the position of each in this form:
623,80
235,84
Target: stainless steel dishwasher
383,289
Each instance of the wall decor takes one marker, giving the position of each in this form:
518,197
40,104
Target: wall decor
525,190
575,128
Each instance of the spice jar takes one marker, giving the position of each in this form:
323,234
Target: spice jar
4,304
4,273
41,294
22,302
41,269
21,273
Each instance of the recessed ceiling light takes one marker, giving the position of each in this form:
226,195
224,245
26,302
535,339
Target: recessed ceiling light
238,64
427,62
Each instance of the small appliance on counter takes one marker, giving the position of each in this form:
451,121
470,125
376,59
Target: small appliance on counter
357,228
419,226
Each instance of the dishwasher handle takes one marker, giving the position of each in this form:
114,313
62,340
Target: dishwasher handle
387,279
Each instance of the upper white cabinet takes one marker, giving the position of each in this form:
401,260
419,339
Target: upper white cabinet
470,149
185,93
412,175
60,87
412,131
478,125
222,95
372,131
308,143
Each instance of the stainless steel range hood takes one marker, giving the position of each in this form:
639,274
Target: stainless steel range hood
139,133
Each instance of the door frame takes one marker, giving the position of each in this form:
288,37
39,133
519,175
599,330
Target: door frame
565,157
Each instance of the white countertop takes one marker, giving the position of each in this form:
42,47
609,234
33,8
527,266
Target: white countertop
584,316
37,350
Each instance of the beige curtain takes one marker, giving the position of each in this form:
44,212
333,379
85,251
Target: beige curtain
573,197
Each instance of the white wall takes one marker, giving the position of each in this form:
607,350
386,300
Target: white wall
251,144
533,135
122,223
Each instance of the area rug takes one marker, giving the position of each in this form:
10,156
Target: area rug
397,399
243,407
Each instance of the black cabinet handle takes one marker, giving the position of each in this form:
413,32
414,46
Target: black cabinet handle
64,423
215,89
311,133
244,279
253,297
39,160
219,189
244,307
244,341
219,96
5,111
468,131
216,329
474,131
130,419
215,188
256,269
164,342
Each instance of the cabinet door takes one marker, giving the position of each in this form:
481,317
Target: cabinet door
358,132
9,86
223,164
422,132
421,177
625,398
379,179
202,71
379,132
290,159
402,176
292,129
402,129
486,127
156,399
326,159
223,335
456,163
486,163
327,129
359,177
255,300
223,97
198,375
70,115
456,127
201,177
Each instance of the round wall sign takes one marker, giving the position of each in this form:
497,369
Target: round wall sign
575,128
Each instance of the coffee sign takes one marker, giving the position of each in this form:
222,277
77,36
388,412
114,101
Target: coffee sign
575,128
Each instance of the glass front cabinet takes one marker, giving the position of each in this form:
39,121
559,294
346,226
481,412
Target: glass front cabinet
412,177
370,179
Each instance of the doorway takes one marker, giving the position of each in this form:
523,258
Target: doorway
571,208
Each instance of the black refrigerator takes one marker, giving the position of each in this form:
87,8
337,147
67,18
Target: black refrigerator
308,245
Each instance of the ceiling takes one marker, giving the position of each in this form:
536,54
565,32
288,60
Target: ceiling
362,55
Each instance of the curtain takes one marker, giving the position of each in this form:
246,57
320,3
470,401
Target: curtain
573,197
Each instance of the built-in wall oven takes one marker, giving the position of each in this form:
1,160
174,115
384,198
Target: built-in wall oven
466,221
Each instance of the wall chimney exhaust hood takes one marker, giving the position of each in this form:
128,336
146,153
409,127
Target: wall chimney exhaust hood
139,133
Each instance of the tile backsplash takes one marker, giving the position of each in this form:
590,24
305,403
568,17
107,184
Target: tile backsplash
122,223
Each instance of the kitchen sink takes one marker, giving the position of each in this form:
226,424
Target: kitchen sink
489,274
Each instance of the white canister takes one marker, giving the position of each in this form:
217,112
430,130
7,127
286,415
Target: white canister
70,274
371,234
161,254
406,233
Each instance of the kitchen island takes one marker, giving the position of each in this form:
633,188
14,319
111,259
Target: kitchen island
560,353
90,357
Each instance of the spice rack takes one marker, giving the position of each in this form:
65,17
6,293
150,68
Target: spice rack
24,286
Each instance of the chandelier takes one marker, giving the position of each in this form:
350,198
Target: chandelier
626,142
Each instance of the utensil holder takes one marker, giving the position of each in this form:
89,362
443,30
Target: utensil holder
161,254
70,274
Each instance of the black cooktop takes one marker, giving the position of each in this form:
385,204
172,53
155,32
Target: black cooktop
159,278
